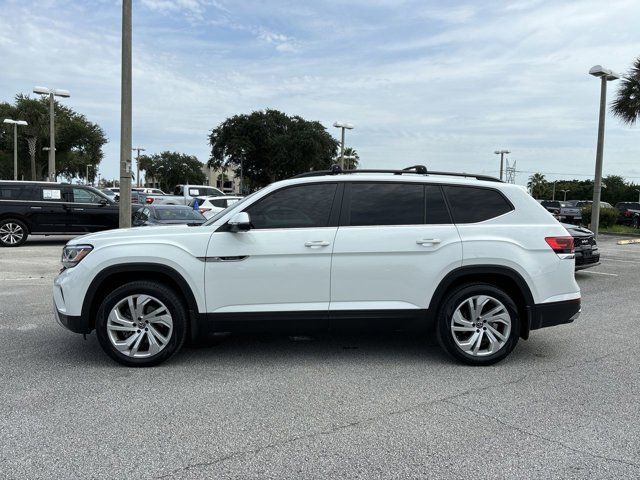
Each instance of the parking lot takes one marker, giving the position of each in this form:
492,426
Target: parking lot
564,404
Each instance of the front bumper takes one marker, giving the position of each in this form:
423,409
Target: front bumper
554,313
75,323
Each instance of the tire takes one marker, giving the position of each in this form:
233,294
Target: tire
13,233
460,344
635,222
131,342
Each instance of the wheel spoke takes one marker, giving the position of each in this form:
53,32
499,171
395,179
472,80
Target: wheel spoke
116,317
157,335
136,345
493,342
458,318
125,345
132,309
463,329
496,333
154,346
468,345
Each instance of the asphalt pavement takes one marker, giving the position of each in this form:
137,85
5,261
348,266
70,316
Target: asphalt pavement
564,404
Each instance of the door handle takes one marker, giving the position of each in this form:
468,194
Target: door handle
35,208
428,241
78,209
316,244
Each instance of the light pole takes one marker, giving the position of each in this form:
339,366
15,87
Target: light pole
138,150
344,126
553,195
502,153
87,177
638,195
605,75
52,92
15,124
565,194
125,120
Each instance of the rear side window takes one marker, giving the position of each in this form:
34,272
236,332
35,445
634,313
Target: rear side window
386,204
21,192
437,211
303,206
473,204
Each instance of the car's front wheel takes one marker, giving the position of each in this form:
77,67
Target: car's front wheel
478,324
141,323
13,233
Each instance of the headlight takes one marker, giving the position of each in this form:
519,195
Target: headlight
73,254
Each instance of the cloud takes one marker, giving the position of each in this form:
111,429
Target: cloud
421,82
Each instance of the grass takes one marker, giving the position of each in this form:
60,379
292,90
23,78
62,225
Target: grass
620,229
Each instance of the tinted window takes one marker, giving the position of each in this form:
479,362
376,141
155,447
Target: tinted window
178,213
80,195
18,192
386,204
437,211
220,203
295,207
471,204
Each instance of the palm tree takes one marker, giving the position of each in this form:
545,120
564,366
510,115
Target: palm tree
626,105
352,159
537,185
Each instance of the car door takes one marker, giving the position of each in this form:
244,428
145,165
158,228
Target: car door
49,212
280,268
88,212
396,241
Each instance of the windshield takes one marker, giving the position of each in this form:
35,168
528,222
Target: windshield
178,213
226,210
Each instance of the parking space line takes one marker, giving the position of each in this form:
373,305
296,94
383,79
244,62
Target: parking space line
598,273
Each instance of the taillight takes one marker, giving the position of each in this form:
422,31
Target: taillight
560,244
627,213
150,199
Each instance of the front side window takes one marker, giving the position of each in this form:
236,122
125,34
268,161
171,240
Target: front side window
81,195
474,204
386,204
302,206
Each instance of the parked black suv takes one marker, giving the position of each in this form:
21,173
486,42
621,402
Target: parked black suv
43,208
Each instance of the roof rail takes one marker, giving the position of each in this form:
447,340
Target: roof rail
415,169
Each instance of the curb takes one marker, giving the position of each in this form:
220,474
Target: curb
613,234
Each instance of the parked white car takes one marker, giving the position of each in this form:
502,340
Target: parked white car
477,258
210,206
183,194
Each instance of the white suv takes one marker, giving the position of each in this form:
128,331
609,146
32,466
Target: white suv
478,259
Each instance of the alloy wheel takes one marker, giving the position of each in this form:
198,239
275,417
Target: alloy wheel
139,326
481,325
11,233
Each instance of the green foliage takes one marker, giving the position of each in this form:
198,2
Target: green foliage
626,104
614,189
351,163
608,216
79,142
172,168
271,146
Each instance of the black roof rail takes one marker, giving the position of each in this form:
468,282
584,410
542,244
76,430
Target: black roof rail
415,169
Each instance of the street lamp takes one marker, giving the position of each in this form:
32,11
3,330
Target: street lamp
502,153
138,150
15,124
605,75
52,92
565,194
344,126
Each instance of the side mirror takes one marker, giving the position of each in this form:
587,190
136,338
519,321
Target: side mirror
240,222
103,201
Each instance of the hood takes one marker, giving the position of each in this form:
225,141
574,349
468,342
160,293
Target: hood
137,234
577,231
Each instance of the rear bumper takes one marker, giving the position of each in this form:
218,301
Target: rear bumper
554,313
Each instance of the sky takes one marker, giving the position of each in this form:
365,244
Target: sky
443,84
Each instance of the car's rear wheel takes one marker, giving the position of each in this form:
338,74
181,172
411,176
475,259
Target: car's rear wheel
141,324
478,324
13,233
635,222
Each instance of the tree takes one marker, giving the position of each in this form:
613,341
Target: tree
270,145
351,163
78,141
537,185
626,105
172,168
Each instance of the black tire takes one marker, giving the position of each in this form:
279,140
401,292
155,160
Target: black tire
635,222
10,230
444,323
173,303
